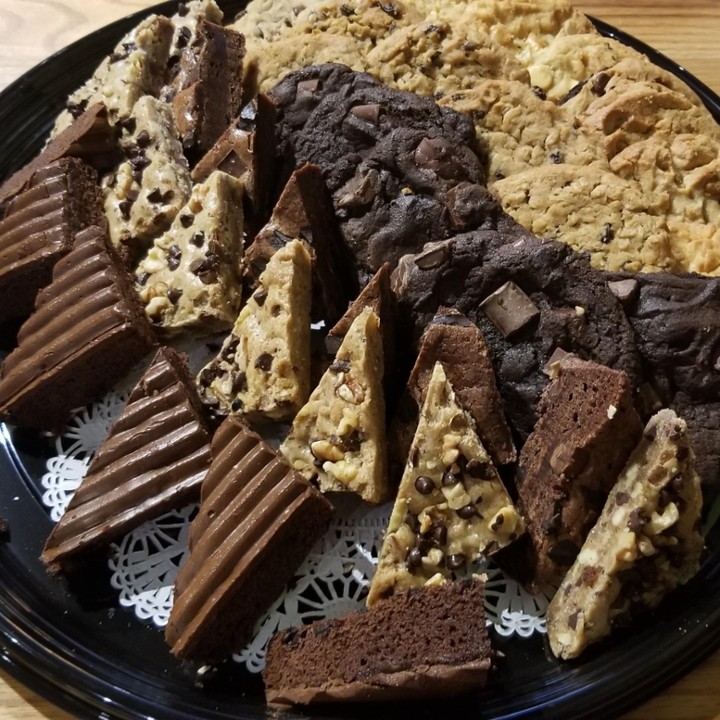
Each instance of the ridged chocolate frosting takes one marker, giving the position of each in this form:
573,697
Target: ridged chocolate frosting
153,460
87,332
258,520
40,226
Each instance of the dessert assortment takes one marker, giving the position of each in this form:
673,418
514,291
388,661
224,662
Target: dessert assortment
509,337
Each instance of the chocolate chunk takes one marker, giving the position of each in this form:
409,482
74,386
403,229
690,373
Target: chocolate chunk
433,258
125,206
556,157
174,254
455,562
607,234
449,478
368,113
539,92
563,552
198,239
260,296
174,294
638,520
468,511
624,290
477,469
599,83
186,220
424,485
509,309
340,366
414,558
264,362
438,535
142,278
143,139
572,93
308,87
437,155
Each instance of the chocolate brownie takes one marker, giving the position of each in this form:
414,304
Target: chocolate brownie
152,461
646,542
587,429
207,89
304,211
430,642
257,521
539,296
393,161
88,330
90,138
39,227
451,506
455,341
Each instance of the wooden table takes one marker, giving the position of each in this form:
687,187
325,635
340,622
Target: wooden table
685,30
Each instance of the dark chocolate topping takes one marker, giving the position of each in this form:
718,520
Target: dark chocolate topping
152,461
257,521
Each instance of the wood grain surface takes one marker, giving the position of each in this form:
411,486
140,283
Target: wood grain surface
685,30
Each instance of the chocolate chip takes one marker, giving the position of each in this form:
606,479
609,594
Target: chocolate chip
607,234
174,294
563,552
677,483
198,239
186,220
128,124
340,366
449,478
155,196
390,9
76,109
437,154
621,498
260,296
455,562
264,362
624,290
414,455
589,575
572,93
184,37
556,157
552,526
509,309
572,620
308,87
599,83
466,512
174,254
682,453
350,442
206,269
638,520
424,485
210,373
498,522
367,113
124,207
142,278
237,405
438,535
414,558
452,318
182,10
346,10
143,139
239,382
432,258
477,469
539,92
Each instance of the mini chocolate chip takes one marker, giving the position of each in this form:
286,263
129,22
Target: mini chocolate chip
572,93
174,255
638,520
599,83
466,512
664,498
239,382
607,234
477,469
352,441
76,109
340,366
449,478
457,97
174,294
155,196
677,483
412,522
572,620
210,373
198,239
390,9
260,296
498,522
455,562
186,220
556,157
124,207
346,10
424,485
142,278
264,362
438,535
414,558
621,498
128,124
143,138
539,92
237,405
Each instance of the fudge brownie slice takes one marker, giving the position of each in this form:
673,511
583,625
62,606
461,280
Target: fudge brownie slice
263,367
423,643
451,505
395,163
456,342
90,138
190,278
257,521
88,330
338,438
246,150
39,227
645,544
304,210
135,68
147,190
587,429
207,89
152,461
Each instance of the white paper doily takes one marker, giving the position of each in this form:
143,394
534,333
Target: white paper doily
331,582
